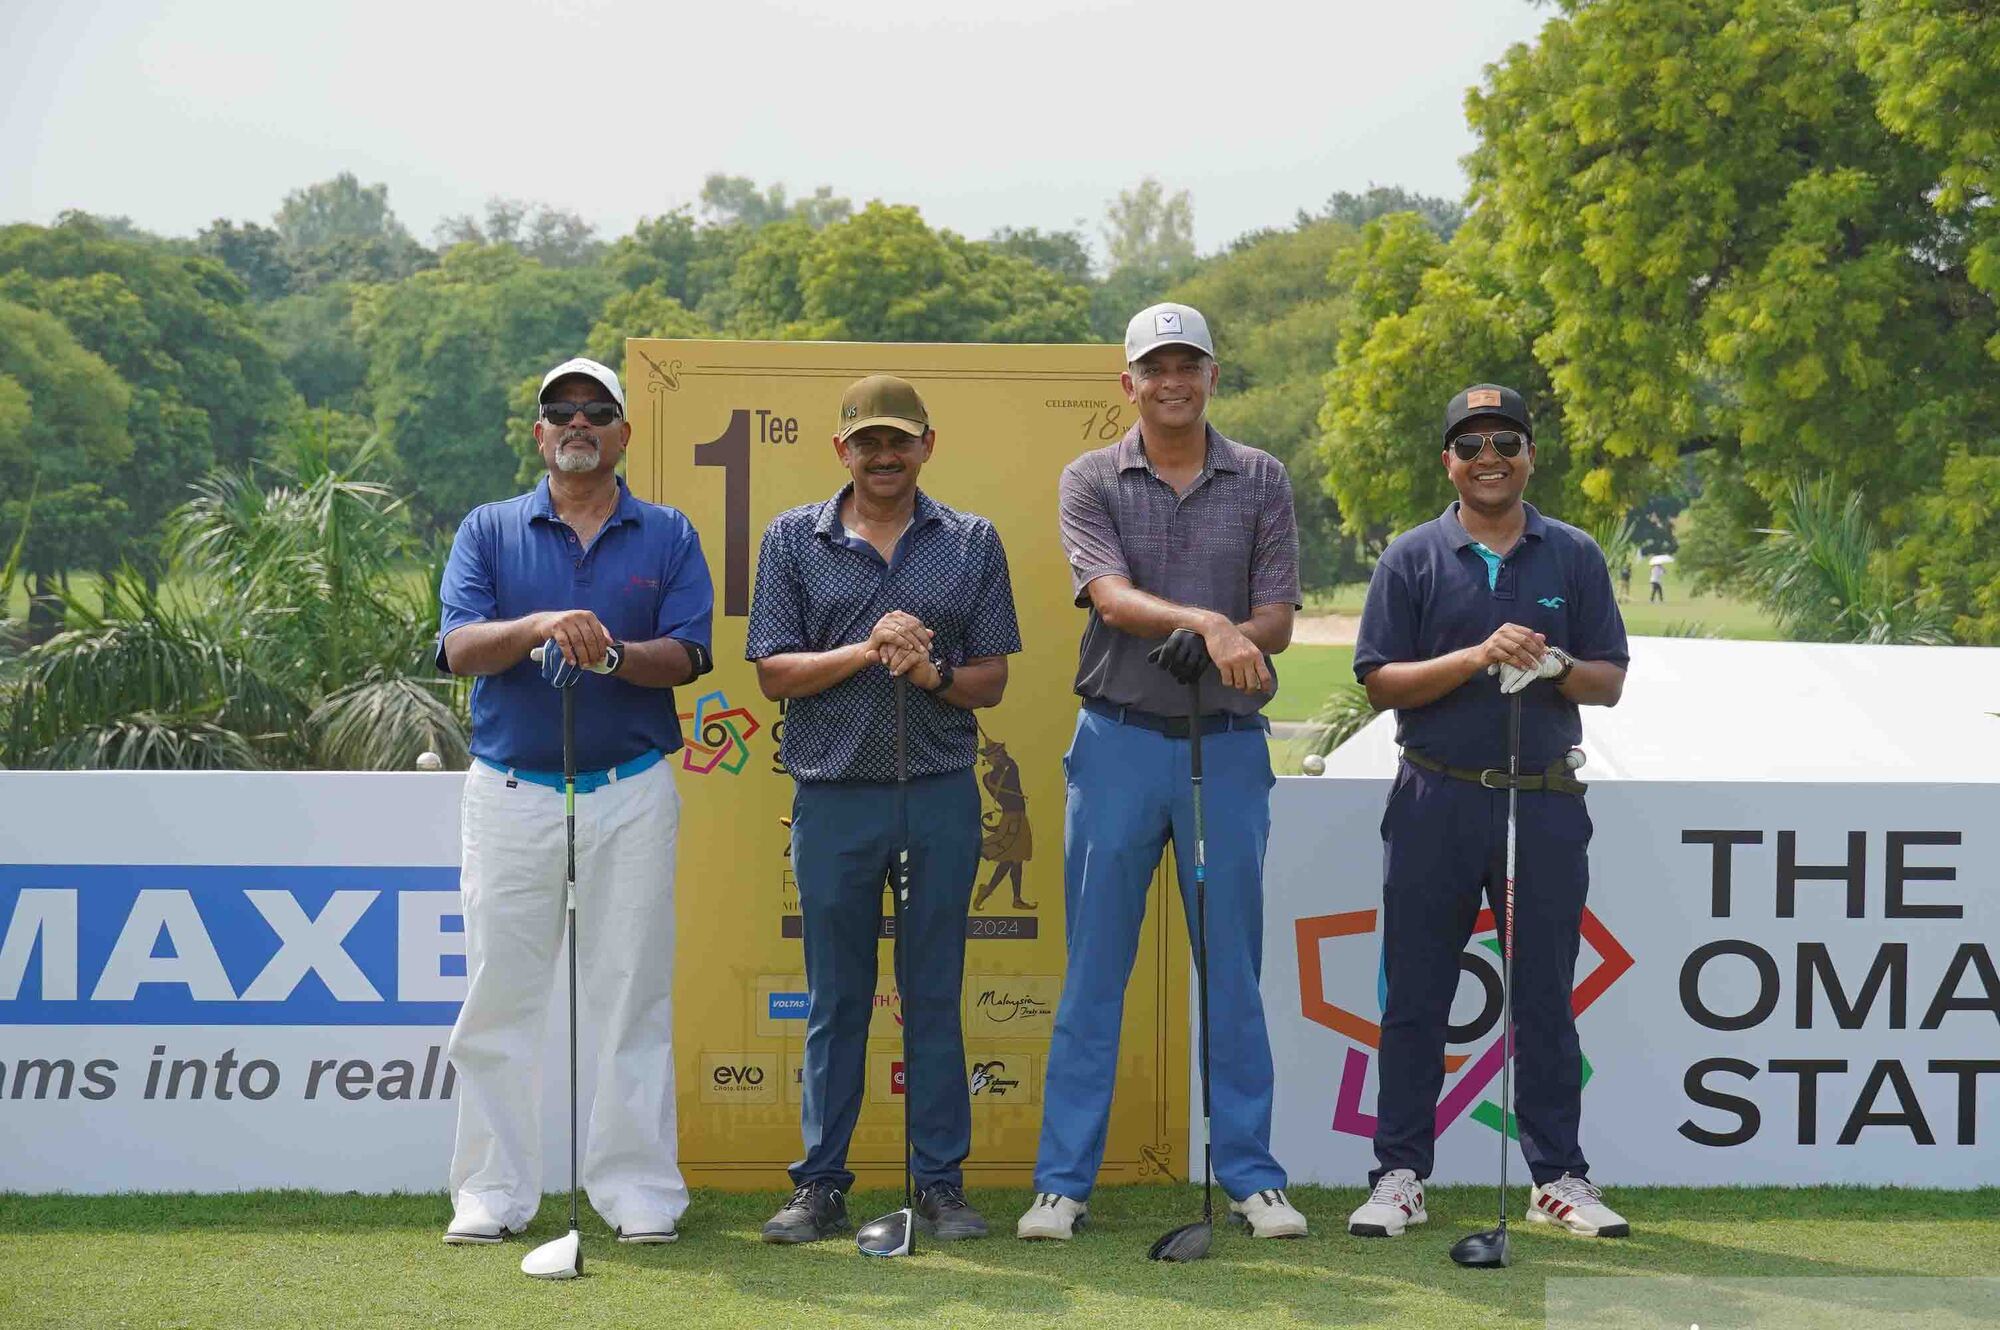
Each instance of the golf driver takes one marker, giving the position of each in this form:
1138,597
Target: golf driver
1190,1242
1489,1250
563,1257
896,1234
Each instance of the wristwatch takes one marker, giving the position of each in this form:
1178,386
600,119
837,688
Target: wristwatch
614,658
1568,664
944,673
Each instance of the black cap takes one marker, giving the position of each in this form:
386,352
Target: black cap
1486,399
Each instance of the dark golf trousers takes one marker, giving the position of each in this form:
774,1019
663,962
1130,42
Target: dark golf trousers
843,850
1444,844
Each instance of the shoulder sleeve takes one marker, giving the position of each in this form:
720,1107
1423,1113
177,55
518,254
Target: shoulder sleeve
777,607
1274,563
1388,630
1596,628
687,602
993,628
1089,535
465,592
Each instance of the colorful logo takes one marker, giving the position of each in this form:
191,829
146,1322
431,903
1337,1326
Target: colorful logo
717,735
1462,1096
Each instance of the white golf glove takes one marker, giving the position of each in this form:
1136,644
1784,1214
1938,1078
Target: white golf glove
1555,662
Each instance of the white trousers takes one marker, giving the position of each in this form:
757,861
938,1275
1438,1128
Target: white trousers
511,882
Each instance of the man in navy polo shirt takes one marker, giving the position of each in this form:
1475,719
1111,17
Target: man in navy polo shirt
1490,582
881,581
596,578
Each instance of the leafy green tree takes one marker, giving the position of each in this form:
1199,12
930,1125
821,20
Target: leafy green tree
256,254
303,644
1148,230
63,415
1952,550
1063,253
734,200
338,209
551,236
312,334
444,349
1357,210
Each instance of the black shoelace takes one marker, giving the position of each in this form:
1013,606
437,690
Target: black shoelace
946,1196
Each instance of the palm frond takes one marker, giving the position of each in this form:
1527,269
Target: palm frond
381,724
1344,714
1818,573
147,741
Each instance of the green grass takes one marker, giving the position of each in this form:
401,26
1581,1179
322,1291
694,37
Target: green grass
1306,674
292,1258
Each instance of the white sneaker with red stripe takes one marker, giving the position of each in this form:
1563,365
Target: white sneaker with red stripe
1578,1206
1396,1202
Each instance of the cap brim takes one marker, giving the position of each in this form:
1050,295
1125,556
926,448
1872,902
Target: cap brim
1133,356
916,427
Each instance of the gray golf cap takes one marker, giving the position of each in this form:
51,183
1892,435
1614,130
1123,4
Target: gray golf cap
1166,325
584,368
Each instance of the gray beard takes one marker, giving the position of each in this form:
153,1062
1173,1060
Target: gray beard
576,460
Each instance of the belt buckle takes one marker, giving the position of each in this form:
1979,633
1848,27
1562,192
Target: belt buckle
1493,771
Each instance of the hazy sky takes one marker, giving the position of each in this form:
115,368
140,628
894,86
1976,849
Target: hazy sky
1031,113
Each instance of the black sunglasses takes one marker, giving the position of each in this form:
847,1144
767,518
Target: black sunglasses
599,414
1506,442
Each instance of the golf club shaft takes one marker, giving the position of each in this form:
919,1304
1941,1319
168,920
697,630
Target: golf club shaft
569,897
901,898
1507,947
1201,946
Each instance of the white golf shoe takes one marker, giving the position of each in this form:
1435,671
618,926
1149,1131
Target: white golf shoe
1052,1217
1269,1215
1396,1203
1578,1206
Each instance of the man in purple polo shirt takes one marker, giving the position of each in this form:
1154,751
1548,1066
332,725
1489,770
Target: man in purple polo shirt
593,576
1174,527
1489,582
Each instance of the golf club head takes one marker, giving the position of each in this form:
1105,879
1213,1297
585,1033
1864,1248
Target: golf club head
560,1259
891,1235
1483,1251
1189,1243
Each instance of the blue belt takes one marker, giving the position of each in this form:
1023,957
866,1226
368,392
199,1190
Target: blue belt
586,781
1174,727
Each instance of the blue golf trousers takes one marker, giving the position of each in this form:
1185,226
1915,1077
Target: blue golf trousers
1129,793
843,851
1444,845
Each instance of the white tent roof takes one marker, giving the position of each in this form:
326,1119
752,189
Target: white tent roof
1705,710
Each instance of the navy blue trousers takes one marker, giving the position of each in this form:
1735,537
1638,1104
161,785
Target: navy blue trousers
843,851
1444,845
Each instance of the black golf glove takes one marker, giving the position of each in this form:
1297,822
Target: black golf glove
1184,655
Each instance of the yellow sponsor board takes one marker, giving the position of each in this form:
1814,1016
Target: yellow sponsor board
733,433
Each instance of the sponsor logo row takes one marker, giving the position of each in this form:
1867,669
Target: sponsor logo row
769,1078
993,1006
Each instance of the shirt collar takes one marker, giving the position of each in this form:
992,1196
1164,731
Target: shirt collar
542,505
1456,534
1221,454
827,522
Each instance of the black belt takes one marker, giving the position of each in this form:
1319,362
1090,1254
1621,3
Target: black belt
1556,778
1174,727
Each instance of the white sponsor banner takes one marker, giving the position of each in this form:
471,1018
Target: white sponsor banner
214,981
1779,983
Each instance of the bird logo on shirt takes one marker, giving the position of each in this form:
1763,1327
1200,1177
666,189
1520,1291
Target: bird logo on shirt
1552,602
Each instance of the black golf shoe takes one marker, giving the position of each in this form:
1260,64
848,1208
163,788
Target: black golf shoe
816,1210
946,1214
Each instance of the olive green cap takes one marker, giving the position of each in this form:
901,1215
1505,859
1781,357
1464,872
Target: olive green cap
882,399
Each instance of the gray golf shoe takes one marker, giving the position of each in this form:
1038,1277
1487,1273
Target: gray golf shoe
946,1215
817,1210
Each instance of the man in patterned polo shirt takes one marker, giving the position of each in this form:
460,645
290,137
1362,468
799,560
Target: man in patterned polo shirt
881,581
1174,527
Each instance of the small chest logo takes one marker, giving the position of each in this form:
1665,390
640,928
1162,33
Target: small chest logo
1553,602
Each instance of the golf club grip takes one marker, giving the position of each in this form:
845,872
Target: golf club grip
601,667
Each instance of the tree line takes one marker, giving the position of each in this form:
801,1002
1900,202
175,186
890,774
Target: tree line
1741,256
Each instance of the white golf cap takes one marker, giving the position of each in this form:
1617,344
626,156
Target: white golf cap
589,369
1166,325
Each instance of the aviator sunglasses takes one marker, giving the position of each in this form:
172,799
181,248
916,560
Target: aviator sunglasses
1506,443
599,414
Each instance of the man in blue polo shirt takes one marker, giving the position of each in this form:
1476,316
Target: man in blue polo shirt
596,578
1490,582
881,581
